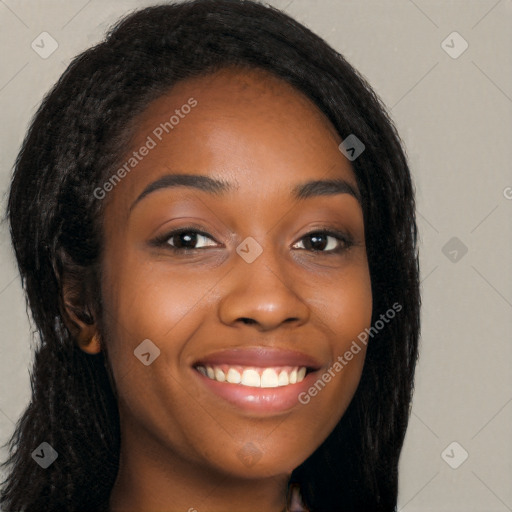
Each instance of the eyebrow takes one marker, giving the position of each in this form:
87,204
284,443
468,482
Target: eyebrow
214,186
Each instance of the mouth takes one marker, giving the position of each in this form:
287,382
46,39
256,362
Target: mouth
258,380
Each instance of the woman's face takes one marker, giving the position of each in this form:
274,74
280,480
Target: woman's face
251,291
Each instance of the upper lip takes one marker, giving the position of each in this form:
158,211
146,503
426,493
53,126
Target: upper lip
260,357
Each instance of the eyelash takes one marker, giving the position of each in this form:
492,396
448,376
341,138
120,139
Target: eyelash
345,240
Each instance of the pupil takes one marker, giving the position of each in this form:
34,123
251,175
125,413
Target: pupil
317,243
187,238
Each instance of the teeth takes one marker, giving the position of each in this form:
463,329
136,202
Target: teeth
233,376
283,379
251,378
255,377
269,378
219,375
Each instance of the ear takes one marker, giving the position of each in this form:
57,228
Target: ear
76,312
82,327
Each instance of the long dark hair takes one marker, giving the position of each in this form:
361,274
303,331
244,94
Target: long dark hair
77,139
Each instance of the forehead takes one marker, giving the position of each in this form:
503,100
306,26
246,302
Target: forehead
245,126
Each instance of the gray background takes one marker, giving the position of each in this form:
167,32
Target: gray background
454,115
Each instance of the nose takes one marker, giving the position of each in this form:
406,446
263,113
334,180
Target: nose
262,294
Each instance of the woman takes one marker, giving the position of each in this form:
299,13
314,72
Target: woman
213,218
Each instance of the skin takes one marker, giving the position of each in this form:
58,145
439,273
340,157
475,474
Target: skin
181,445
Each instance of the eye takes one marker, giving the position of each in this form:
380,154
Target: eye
190,239
186,239
325,241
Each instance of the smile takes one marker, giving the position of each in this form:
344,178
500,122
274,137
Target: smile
253,376
259,381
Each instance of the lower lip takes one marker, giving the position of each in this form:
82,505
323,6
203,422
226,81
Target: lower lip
263,400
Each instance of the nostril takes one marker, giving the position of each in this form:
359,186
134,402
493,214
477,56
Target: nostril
248,320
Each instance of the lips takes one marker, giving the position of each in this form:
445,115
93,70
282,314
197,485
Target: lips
257,379
261,357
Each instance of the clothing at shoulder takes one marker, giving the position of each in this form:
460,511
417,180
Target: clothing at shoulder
295,503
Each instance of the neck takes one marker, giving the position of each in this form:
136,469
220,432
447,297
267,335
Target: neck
151,478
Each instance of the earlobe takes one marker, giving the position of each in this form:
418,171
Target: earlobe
89,343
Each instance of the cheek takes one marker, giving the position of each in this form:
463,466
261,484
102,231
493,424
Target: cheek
148,317
344,306
343,310
351,319
143,301
151,308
